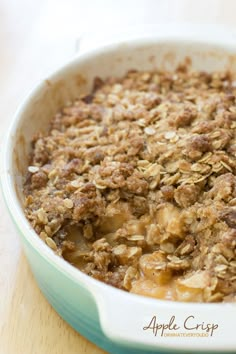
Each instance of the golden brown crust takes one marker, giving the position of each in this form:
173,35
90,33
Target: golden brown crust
135,184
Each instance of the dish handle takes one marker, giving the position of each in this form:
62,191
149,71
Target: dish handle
155,324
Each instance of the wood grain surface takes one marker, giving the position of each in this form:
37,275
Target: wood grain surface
35,38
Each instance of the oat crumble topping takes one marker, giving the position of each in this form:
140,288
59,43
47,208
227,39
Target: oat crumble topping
135,184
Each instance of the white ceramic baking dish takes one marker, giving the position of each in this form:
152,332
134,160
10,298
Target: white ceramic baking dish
115,320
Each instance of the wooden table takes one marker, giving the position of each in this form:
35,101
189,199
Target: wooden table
36,37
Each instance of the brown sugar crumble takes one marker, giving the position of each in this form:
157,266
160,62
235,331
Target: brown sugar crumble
135,184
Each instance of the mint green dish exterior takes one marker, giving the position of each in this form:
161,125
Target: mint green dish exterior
111,318
74,304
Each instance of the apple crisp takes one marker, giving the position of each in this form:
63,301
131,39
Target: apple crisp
135,185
